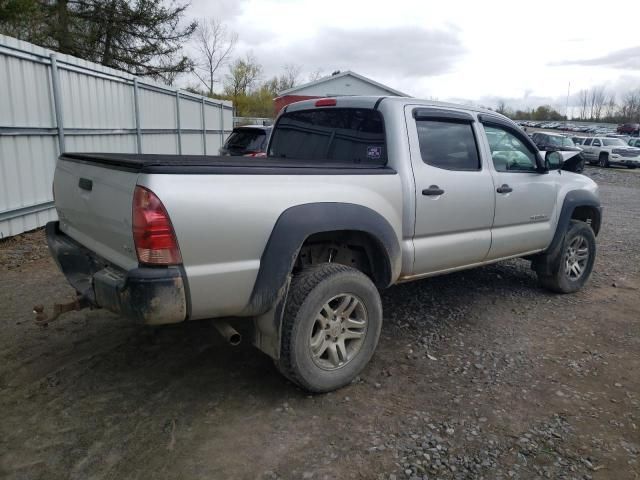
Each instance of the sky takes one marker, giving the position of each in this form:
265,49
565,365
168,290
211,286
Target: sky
524,53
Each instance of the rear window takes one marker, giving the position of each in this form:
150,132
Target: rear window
246,139
342,135
448,145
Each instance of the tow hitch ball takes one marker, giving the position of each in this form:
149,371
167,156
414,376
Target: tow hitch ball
58,309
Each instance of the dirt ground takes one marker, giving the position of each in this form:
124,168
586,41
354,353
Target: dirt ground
479,374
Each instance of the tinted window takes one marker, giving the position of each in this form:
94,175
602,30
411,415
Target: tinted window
246,139
349,135
587,141
612,142
596,143
448,145
509,153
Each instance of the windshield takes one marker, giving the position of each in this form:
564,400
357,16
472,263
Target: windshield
349,135
560,141
251,139
613,142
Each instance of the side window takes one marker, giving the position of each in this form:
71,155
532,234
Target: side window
587,141
509,154
448,145
596,143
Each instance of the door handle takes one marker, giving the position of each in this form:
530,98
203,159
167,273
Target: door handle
85,184
504,189
433,190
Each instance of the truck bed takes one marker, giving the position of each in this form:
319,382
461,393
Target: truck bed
212,164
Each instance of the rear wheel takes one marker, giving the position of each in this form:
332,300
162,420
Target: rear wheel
331,327
573,264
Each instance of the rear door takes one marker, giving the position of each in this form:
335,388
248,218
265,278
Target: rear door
454,190
525,200
587,149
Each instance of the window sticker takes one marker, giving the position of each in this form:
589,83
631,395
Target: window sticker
374,152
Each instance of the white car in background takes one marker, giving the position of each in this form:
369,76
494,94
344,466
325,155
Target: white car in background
606,151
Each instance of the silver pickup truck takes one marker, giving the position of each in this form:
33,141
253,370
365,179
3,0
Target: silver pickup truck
356,194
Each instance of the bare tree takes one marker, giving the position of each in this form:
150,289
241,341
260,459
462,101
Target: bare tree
243,74
597,99
315,75
584,100
214,44
610,108
502,107
630,110
289,78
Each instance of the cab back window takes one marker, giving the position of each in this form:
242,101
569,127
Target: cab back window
341,135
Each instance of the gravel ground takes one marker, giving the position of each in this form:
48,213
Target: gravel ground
478,374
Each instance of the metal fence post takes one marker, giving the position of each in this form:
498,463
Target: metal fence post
204,128
178,122
57,101
136,107
221,123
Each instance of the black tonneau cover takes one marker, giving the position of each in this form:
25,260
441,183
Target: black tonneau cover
210,164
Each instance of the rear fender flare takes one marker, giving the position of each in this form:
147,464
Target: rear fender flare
295,225
292,228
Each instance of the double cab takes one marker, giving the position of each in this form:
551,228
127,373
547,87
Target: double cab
355,194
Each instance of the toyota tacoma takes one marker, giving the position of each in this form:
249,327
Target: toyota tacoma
355,194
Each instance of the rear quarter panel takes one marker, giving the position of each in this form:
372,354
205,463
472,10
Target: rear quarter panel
223,223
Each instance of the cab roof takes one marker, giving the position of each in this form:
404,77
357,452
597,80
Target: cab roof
374,101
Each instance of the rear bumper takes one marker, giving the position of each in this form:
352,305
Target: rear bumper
153,296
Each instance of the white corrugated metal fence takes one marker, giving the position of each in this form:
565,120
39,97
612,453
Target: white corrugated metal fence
51,103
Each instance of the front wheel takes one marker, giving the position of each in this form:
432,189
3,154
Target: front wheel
573,264
604,160
331,327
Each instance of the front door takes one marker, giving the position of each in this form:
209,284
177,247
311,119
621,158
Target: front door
525,198
454,190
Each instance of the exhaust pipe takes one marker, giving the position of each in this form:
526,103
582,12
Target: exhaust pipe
230,334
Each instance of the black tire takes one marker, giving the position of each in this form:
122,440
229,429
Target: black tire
310,290
603,160
560,281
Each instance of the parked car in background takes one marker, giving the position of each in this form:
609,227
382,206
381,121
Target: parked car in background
248,140
629,129
606,152
554,142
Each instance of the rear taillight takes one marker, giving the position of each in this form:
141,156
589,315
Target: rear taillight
153,234
326,102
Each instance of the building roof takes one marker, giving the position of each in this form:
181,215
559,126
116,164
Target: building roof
346,73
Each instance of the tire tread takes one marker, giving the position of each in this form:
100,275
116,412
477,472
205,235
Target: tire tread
301,285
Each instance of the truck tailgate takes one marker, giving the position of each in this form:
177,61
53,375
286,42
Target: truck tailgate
94,204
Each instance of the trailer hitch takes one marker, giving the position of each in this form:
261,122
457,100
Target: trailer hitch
43,319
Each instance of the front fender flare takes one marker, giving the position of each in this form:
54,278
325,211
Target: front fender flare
573,200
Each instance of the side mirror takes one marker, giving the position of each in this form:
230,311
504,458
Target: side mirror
553,160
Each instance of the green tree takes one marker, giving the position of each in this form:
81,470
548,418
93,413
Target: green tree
142,37
243,75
